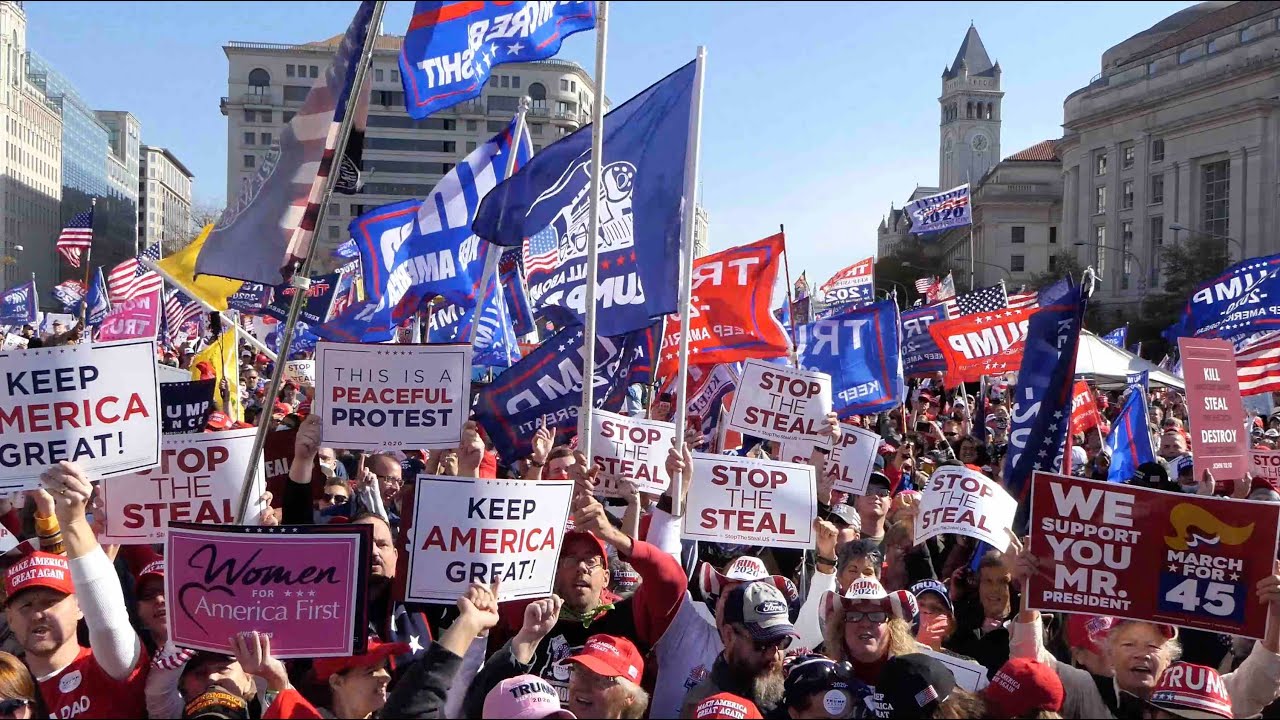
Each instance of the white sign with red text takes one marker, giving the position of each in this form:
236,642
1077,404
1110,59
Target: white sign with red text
1266,464
959,501
631,448
849,463
752,502
780,403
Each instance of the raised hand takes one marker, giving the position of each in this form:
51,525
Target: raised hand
253,652
479,606
680,469
70,489
826,534
307,444
543,440
471,451
540,617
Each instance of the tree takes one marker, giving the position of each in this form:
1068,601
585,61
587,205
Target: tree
1064,263
909,261
1184,267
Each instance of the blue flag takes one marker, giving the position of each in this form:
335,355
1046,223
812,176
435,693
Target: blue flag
319,299
251,298
646,140
920,354
304,339
940,212
1118,337
1042,400
414,250
18,304
1245,299
546,386
495,342
96,303
1130,440
513,287
347,250
450,47
859,350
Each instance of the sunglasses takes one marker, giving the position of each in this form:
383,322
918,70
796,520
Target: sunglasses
769,646
13,705
335,498
876,616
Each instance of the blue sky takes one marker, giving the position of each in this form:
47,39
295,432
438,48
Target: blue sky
816,115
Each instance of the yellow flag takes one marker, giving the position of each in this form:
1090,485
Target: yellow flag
221,357
181,267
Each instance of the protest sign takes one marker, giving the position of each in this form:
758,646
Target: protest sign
277,457
982,344
136,318
198,480
850,462
1214,407
631,448
14,342
96,405
1266,464
300,372
1131,552
754,502
302,584
959,501
780,403
374,397
171,374
469,530
186,405
969,675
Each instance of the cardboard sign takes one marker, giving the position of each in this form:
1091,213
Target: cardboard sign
198,480
14,342
170,374
1131,552
303,584
631,448
960,501
300,372
982,344
780,403
1266,464
137,318
849,463
96,405
186,405
468,530
1215,409
753,502
374,397
969,675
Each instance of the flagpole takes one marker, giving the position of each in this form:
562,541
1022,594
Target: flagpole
88,265
686,273
791,316
244,334
593,234
301,279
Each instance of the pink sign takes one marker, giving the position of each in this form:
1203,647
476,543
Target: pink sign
303,584
1215,407
137,318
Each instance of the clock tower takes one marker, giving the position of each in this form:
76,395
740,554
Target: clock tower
970,127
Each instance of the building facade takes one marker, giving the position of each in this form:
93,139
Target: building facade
969,128
124,133
1179,128
701,232
403,158
164,200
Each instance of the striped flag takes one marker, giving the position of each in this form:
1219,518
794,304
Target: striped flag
76,237
1259,365
923,285
179,310
542,251
132,278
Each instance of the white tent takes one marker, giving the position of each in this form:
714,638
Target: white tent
1106,364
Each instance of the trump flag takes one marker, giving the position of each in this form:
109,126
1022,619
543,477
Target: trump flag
859,349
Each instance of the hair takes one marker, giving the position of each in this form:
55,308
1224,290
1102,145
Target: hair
961,705
364,514
993,559
857,549
558,452
639,700
901,640
340,482
16,682
1172,648
1041,715
900,531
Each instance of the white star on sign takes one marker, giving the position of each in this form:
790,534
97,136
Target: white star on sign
414,646
514,48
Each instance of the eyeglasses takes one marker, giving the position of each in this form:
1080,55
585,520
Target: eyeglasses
384,479
593,562
765,646
879,492
12,705
876,616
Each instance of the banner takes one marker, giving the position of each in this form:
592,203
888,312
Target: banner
18,304
303,584
96,405
631,448
854,285
1238,302
300,372
135,318
1084,409
1118,337
982,344
859,349
780,403
751,502
1130,438
708,390
251,298
940,212
1215,407
469,530
319,300
961,501
69,294
1157,557
198,481
921,356
849,463
373,397
186,405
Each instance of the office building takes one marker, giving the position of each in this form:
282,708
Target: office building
164,200
124,133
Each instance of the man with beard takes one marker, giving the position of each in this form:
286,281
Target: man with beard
756,631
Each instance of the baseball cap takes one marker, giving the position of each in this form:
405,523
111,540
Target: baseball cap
900,603
936,588
847,515
1089,632
38,570
582,534
218,420
727,706
1191,691
216,703
153,570
915,684
879,478
1272,433
375,654
761,608
1021,687
747,568
610,656
279,408
524,697
813,675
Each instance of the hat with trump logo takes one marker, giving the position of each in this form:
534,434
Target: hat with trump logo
1191,691
747,568
38,570
761,608
523,697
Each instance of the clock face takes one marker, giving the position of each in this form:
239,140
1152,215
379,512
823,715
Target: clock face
979,142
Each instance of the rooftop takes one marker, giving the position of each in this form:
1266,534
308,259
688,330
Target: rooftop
972,55
1046,151
1186,25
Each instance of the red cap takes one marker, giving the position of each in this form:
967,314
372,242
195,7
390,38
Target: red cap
280,409
728,706
218,420
1021,687
610,656
1088,632
304,409
376,654
1190,690
39,569
153,569
574,534
205,368
261,359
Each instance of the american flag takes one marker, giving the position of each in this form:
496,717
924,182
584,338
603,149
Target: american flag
542,251
1259,365
131,278
179,310
509,261
923,285
75,237
990,299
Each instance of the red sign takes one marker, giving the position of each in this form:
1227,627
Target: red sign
982,344
1161,557
1084,409
1215,407
729,317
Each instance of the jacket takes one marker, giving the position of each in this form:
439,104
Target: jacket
721,679
423,687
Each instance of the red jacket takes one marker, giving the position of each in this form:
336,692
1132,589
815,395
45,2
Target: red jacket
290,705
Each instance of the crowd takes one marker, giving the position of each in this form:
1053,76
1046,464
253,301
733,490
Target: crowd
866,623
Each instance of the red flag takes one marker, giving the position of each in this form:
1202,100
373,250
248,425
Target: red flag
982,344
1084,410
731,317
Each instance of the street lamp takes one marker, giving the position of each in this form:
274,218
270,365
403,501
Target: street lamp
1179,227
1142,270
1007,273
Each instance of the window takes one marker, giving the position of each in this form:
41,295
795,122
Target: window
564,85
1126,195
1100,163
1019,234
503,104
259,81
250,116
315,72
288,116
264,116
288,71
1215,191
1053,234
334,209
1099,240
538,94
535,128
295,93
1017,263
515,82
402,189
504,81
413,167
1153,254
537,148
404,122
333,232
248,162
377,74
411,145
470,147
1157,150
388,98
1191,53
1213,46
1126,247
395,76
573,86
1157,189
1126,156
249,138
1100,199
494,126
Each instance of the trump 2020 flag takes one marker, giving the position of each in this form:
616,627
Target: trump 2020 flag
921,356
270,227
1130,440
1241,301
414,250
1118,337
69,294
854,285
940,212
646,140
450,47
96,304
495,343
859,349
18,304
